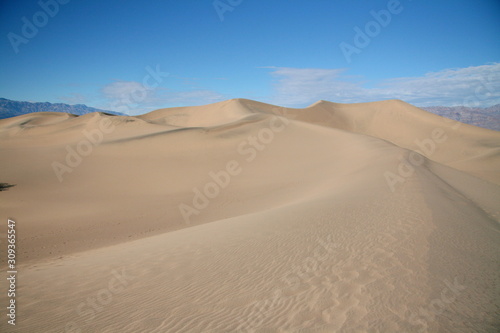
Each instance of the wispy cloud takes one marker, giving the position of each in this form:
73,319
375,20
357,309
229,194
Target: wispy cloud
300,86
124,90
134,98
471,86
192,97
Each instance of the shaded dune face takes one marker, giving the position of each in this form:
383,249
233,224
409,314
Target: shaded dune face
242,216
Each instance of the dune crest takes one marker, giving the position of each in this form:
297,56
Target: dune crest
242,216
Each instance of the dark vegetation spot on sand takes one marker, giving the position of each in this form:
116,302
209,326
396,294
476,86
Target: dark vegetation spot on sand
5,186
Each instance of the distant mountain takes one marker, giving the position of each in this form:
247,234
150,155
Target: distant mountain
9,108
481,117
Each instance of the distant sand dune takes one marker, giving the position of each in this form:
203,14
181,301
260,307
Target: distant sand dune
241,216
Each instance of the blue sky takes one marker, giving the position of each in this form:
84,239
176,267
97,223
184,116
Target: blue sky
137,56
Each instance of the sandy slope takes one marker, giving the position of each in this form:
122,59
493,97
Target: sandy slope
321,219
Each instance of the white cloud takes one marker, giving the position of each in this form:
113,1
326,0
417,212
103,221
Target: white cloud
134,98
471,86
124,90
191,97
299,86
125,96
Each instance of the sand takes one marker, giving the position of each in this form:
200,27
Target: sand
241,216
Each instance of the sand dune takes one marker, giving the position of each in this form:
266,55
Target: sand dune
242,216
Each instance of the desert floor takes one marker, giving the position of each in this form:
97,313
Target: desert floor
242,216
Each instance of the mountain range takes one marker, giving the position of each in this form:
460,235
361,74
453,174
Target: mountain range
10,108
481,117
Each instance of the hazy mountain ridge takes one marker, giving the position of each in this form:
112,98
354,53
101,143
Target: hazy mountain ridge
10,108
481,117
